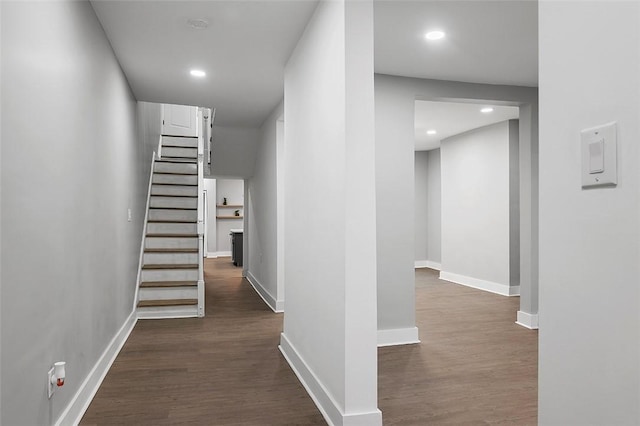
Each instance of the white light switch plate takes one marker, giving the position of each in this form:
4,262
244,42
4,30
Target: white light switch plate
599,156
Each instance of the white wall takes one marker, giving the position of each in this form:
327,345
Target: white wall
233,151
71,167
212,225
329,334
421,206
434,209
262,215
427,208
395,103
233,190
589,239
475,206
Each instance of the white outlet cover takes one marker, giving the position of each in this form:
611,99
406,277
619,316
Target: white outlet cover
599,156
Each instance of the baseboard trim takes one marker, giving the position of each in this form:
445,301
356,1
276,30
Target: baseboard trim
398,336
276,306
428,264
321,397
526,320
78,405
216,254
491,287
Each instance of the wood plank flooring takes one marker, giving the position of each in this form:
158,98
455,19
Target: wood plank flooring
474,366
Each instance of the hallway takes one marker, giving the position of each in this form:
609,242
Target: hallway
223,369
474,366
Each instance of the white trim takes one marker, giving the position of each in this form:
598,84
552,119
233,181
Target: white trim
491,287
428,264
328,407
526,320
276,306
78,405
216,254
168,314
398,336
144,232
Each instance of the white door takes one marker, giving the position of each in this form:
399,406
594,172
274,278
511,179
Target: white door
179,120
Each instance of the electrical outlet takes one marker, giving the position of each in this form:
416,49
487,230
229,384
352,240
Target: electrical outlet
50,386
129,215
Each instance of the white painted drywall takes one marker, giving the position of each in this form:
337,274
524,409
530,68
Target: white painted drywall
395,102
212,226
262,211
421,205
330,315
434,208
233,190
589,369
475,204
233,151
72,165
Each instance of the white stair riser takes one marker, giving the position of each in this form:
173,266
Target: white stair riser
168,293
179,152
176,179
170,258
169,275
178,141
166,242
188,311
186,215
171,228
190,168
173,202
174,190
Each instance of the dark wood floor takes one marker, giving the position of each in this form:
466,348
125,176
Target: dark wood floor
474,366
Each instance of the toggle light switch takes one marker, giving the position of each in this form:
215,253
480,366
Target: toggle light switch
599,156
596,157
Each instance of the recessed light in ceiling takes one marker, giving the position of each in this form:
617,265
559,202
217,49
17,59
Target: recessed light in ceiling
431,132
197,23
434,35
486,110
198,73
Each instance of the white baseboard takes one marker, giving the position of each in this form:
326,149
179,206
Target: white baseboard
321,397
275,305
489,286
216,254
526,320
398,336
83,397
427,264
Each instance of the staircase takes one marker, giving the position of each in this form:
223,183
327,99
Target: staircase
171,283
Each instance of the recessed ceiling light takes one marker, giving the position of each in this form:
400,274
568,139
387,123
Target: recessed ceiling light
486,110
197,23
198,73
431,132
434,35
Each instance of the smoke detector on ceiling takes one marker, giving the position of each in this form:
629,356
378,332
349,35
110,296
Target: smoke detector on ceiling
197,23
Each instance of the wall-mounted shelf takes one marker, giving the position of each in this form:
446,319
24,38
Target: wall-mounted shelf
230,206
229,217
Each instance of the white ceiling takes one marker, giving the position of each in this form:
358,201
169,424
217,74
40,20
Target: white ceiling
244,51
494,42
246,46
449,119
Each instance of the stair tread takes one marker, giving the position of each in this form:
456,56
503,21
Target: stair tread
184,160
165,235
171,250
172,221
147,284
194,173
174,184
170,266
179,146
176,196
173,208
179,136
168,302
